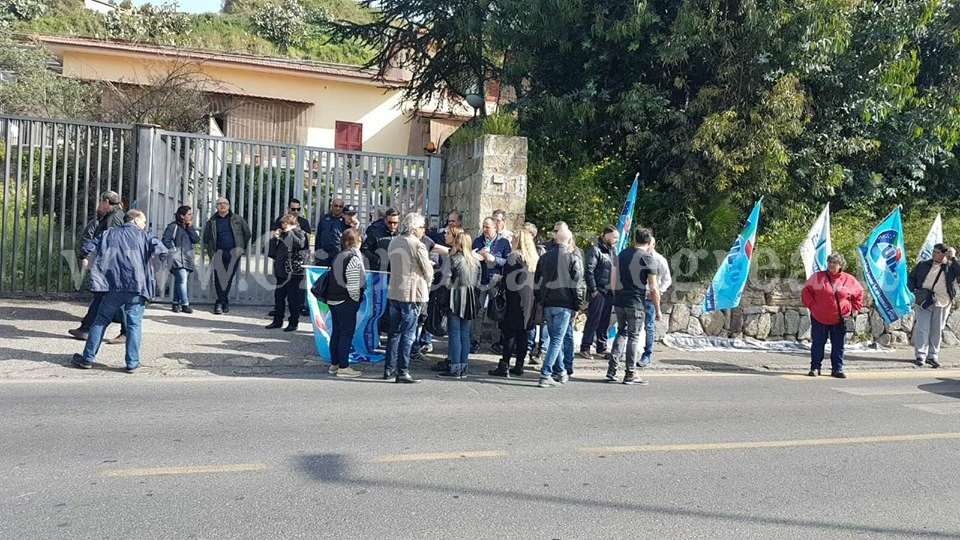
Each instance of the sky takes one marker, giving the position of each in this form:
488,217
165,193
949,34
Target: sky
190,6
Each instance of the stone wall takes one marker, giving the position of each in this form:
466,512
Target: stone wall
483,175
776,313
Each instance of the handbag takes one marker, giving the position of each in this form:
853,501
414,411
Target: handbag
321,287
849,323
497,308
437,309
929,297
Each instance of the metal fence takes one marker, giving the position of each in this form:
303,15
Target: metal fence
54,170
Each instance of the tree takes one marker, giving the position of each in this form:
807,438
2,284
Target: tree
31,89
444,44
176,98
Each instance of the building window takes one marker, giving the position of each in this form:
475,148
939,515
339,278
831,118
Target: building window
349,136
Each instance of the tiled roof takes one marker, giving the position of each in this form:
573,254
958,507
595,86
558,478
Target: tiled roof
282,64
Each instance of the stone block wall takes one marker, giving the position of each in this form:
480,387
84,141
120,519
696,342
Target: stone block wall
776,313
483,175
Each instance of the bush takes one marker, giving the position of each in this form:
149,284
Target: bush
500,123
284,25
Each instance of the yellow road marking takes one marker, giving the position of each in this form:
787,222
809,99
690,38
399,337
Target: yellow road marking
892,374
205,469
397,458
769,444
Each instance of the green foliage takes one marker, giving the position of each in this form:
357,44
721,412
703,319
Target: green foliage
284,24
38,91
160,24
26,10
496,124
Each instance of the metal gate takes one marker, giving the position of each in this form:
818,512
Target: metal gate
52,174
54,170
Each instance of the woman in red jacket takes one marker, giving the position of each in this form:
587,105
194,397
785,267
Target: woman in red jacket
830,295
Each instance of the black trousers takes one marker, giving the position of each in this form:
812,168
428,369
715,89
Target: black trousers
91,315
290,292
515,344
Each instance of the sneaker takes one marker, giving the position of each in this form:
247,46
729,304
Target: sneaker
813,373
131,369
611,376
186,309
79,362
426,349
634,379
416,355
563,378
443,365
175,308
918,362
332,370
119,340
448,375
838,374
932,362
217,309
547,382
348,372
586,355
226,308
80,335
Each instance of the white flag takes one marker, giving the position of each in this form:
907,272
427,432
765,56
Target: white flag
816,247
934,237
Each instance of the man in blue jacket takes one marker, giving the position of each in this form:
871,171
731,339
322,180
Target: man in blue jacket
492,250
329,229
124,274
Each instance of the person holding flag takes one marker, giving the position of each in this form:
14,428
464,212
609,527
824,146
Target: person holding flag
934,285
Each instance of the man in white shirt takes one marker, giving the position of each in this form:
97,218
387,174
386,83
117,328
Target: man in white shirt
501,218
650,327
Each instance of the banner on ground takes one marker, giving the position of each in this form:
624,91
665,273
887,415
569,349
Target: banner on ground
885,268
934,237
816,247
727,286
366,338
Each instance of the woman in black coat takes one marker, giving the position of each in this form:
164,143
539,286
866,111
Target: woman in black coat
521,304
179,238
288,245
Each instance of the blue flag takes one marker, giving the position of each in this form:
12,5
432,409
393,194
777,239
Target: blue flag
728,283
885,268
626,216
366,339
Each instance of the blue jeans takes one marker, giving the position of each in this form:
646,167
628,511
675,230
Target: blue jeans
650,329
458,342
344,327
112,303
403,330
818,335
557,320
627,343
180,286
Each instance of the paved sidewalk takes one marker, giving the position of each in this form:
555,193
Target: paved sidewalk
34,344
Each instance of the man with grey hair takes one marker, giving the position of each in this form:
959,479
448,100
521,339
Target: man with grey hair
225,239
110,214
492,249
409,288
124,275
560,276
501,217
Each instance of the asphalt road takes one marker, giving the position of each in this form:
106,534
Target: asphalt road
690,456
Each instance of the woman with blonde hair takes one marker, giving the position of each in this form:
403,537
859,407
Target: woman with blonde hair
464,283
518,278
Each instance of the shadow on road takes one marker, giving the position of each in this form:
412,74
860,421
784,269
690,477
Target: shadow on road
945,387
336,469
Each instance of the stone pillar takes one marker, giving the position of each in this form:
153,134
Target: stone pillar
483,175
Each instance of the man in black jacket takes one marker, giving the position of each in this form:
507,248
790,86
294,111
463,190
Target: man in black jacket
597,268
378,237
110,214
937,278
559,277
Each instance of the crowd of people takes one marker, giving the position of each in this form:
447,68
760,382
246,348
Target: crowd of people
529,292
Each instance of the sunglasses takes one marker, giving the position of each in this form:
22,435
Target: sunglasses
294,209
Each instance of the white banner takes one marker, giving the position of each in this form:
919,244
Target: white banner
934,237
816,247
